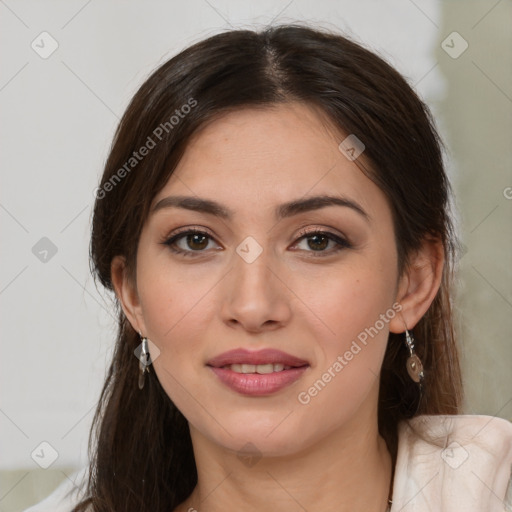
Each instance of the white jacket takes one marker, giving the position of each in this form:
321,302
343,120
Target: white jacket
463,464
444,464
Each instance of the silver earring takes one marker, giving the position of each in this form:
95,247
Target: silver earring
414,364
144,360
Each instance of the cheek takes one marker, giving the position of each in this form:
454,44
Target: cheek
176,320
170,294
178,308
349,300
174,312
355,307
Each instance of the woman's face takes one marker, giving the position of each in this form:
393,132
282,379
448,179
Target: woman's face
252,280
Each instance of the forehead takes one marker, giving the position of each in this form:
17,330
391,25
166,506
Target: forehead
261,157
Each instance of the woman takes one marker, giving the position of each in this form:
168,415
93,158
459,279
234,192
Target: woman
273,219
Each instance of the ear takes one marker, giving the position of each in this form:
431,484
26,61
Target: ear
419,284
126,292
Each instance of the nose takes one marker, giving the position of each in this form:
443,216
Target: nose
254,297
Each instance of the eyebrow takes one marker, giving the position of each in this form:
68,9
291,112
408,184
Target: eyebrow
282,211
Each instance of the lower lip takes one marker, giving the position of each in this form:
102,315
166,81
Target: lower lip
255,384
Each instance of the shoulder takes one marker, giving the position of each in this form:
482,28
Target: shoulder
489,433
66,496
453,462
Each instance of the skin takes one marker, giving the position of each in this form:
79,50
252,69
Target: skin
324,455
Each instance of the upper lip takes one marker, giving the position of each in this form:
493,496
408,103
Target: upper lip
264,356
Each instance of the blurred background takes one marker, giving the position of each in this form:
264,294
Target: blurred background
70,68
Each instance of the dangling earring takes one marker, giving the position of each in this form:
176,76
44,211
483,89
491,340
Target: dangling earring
414,364
144,360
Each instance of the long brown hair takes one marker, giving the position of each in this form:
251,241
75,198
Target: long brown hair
141,451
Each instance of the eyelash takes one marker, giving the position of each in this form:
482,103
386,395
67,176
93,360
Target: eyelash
341,243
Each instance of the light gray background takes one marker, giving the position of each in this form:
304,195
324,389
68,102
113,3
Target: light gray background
58,118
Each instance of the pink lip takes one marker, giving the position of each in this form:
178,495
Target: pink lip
255,384
244,356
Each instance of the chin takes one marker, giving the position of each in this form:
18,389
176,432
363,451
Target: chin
260,445
269,435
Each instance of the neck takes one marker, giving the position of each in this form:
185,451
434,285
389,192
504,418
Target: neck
350,469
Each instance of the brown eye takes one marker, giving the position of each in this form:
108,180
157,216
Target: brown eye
189,243
196,241
318,241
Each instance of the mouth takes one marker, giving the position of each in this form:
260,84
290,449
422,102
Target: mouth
249,361
257,373
261,369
